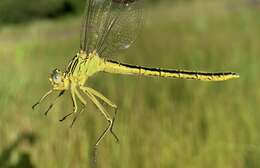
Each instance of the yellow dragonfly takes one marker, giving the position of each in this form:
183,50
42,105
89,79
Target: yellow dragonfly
108,26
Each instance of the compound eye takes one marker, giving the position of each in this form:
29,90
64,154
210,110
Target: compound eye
56,76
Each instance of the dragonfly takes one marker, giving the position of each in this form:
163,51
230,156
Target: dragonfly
109,26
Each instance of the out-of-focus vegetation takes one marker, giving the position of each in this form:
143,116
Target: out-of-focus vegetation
14,11
162,123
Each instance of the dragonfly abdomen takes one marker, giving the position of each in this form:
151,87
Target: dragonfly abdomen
119,68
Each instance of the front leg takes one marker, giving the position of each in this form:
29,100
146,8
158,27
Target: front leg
54,102
42,98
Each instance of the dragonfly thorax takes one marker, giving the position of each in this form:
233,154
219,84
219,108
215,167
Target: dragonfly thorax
80,68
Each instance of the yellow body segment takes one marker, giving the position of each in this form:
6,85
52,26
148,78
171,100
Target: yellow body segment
86,66
125,69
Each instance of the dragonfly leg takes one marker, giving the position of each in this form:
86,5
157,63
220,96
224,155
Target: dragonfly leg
106,115
99,95
42,98
76,116
106,100
54,102
76,93
80,97
74,103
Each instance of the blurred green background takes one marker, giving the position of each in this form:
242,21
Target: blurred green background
164,123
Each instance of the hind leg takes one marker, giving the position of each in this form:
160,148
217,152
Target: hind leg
94,93
104,113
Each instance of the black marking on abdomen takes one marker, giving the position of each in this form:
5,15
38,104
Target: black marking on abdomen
184,72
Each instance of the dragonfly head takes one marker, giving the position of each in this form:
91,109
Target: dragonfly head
59,80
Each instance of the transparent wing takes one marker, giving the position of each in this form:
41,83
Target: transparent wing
110,25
